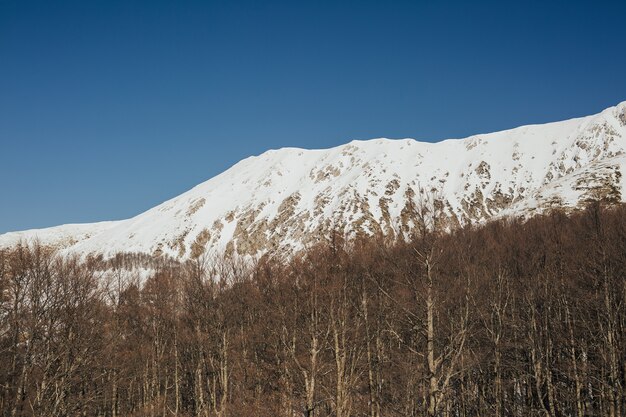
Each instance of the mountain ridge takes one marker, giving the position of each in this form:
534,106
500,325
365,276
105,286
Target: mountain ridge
289,198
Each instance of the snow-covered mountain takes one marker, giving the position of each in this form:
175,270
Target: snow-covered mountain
290,198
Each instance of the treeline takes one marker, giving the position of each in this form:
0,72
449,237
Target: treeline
510,319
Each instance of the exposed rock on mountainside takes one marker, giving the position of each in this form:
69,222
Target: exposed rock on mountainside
290,198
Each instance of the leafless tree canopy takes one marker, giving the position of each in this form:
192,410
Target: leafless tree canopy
510,319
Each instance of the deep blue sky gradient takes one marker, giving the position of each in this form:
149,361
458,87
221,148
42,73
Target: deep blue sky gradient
108,108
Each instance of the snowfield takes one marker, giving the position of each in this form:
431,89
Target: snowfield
287,199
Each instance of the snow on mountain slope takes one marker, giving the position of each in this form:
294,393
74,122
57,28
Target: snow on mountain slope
59,236
290,198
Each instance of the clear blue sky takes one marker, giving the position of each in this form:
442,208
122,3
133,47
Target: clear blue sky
108,108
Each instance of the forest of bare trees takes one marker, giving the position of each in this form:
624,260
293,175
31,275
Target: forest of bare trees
509,319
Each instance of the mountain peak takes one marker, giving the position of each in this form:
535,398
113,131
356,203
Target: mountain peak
289,198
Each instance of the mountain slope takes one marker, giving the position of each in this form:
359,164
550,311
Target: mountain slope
290,198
